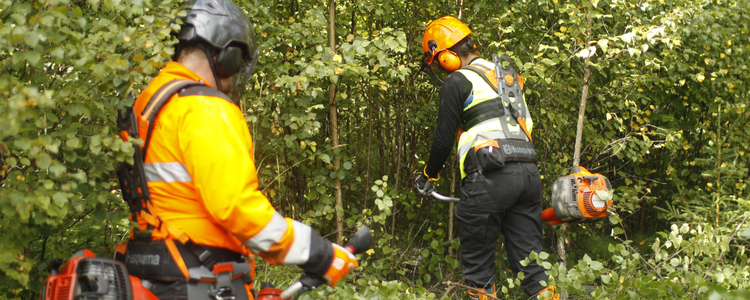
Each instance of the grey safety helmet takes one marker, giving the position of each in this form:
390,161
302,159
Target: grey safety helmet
224,33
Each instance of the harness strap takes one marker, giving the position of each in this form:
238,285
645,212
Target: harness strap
160,224
203,90
486,74
154,105
481,112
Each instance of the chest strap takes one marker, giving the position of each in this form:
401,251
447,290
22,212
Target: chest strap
486,110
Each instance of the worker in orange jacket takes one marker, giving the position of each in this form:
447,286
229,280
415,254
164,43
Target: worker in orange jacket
206,214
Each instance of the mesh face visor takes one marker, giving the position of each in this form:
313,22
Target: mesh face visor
239,85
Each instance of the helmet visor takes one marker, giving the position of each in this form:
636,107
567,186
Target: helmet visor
242,77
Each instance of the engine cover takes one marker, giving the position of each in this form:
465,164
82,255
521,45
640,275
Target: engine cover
579,197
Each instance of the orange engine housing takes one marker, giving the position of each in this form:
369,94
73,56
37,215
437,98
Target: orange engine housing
85,276
579,197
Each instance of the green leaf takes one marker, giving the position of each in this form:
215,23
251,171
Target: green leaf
31,38
614,219
72,143
539,71
57,170
43,161
22,144
745,233
60,199
604,44
33,57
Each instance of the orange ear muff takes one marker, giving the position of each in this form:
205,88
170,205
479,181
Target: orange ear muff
449,60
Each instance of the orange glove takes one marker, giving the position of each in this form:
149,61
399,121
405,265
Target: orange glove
343,263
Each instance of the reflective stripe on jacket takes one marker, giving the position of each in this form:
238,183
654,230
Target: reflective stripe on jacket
493,128
203,180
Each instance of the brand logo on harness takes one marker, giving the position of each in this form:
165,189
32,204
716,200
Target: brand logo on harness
142,259
511,149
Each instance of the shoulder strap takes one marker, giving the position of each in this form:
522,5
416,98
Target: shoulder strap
183,88
204,90
486,74
157,101
489,75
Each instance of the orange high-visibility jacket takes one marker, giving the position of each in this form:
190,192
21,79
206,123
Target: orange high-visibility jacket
202,178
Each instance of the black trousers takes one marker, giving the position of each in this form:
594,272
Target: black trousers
507,200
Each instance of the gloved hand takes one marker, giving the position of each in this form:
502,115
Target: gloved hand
343,263
423,183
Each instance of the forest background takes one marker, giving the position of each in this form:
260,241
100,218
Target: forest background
341,120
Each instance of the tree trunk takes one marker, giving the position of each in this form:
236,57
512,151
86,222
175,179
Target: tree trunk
369,149
460,4
400,150
334,126
577,151
369,126
718,168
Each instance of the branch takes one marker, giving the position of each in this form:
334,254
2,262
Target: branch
643,260
447,291
6,13
728,242
672,256
282,173
7,65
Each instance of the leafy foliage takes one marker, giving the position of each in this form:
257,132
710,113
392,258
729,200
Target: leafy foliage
67,67
665,123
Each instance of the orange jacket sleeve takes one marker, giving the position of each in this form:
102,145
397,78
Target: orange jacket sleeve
218,153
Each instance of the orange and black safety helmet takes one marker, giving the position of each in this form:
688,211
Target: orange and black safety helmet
441,34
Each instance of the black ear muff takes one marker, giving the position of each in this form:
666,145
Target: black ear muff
467,47
228,62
